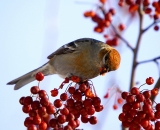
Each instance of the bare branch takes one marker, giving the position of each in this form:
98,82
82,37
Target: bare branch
144,30
145,61
134,64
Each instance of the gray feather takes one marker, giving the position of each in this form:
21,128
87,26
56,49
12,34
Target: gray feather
23,81
29,77
72,46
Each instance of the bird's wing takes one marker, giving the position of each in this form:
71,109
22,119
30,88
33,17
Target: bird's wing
70,47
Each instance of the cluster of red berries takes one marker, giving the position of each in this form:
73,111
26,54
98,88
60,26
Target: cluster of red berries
138,112
134,5
102,23
77,103
105,21
38,110
153,12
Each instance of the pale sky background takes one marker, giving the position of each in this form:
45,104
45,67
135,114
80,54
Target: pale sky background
31,30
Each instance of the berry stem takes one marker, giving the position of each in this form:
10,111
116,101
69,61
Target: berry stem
94,90
38,83
68,87
141,85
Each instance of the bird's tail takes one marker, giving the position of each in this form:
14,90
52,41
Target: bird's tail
46,69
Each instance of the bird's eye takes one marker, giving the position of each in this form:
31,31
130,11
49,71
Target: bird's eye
106,57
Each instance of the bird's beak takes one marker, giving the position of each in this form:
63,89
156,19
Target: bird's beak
103,70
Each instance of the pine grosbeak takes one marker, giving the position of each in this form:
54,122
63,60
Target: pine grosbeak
85,58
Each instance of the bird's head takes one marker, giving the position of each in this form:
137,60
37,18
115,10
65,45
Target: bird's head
110,60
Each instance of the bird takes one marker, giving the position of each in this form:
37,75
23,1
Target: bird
85,58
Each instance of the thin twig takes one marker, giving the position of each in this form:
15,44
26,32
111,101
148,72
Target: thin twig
144,30
145,61
120,37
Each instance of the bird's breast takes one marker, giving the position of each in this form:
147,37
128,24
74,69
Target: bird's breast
78,64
